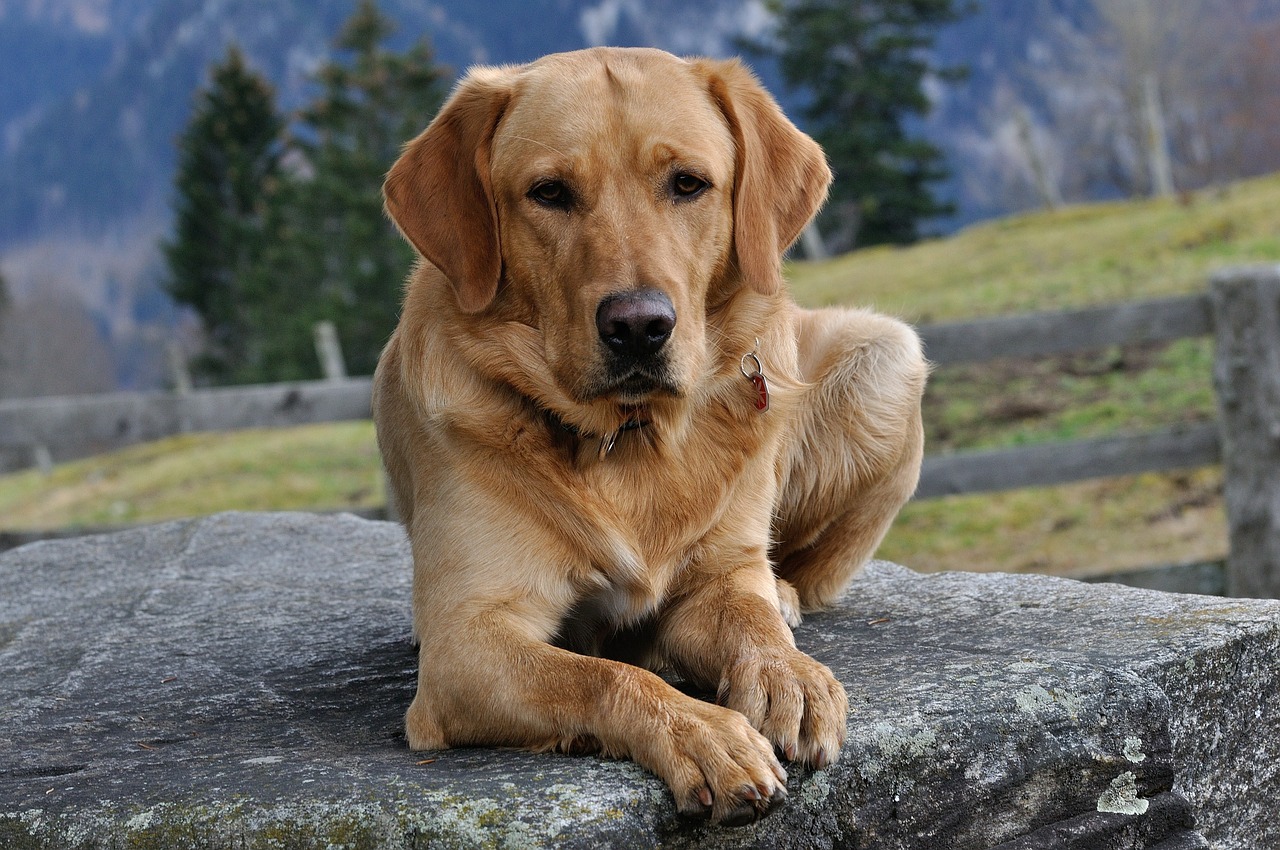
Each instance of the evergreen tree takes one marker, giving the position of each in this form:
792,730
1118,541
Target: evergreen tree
4,309
862,65
229,163
333,254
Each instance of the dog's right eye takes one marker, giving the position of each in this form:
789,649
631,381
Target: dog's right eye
551,193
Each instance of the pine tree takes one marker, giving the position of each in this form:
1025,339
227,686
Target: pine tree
333,254
862,66
4,310
229,165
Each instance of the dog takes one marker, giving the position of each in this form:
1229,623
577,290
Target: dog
616,444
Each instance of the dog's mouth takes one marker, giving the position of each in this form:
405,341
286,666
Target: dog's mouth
637,386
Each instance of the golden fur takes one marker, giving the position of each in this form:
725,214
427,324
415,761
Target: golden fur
552,573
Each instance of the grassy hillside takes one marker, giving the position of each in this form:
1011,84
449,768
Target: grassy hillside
1071,258
315,467
1074,257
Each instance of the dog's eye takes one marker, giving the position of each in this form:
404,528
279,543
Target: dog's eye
688,186
551,193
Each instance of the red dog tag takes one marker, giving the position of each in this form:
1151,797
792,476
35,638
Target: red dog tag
762,391
753,371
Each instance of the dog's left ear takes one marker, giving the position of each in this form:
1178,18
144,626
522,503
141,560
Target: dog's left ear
780,174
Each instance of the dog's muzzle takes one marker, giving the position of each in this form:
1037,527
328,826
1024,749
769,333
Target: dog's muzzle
634,328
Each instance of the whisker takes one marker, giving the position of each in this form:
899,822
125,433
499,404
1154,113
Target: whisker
541,144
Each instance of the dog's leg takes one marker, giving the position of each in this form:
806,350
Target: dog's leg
488,677
789,603
854,458
728,633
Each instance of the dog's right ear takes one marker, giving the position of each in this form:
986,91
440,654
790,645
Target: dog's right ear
439,193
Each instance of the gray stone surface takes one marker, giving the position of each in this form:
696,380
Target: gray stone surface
238,682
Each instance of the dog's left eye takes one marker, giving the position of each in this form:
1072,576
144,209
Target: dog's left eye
688,186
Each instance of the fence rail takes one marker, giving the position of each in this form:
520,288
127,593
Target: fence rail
1242,309
1044,334
1048,464
68,428
1066,332
71,427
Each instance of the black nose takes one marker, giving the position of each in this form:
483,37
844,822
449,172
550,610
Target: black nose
635,324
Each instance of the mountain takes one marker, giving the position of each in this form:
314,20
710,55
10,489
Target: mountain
94,97
93,94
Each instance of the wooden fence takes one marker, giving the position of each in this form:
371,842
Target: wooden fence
1241,309
60,429
1042,334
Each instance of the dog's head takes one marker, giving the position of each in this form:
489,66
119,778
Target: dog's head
604,198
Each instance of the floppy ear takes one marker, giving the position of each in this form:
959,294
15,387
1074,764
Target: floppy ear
780,174
439,194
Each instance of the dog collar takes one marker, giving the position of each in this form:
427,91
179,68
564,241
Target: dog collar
607,441
752,369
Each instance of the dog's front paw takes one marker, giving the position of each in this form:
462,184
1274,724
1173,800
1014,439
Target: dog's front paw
793,700
716,765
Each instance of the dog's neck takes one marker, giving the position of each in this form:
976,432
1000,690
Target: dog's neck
606,442
637,418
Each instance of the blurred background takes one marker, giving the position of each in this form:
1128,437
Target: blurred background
189,199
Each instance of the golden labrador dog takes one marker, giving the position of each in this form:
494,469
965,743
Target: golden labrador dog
616,443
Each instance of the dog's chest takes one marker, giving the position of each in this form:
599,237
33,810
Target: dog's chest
606,610
644,533
648,542
660,496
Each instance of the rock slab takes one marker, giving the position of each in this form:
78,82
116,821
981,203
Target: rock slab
238,681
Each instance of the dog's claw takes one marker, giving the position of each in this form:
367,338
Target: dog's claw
741,815
749,804
698,807
756,803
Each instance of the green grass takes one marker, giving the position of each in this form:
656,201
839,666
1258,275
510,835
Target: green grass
1017,402
1088,527
1071,258
316,467
1075,257
1085,528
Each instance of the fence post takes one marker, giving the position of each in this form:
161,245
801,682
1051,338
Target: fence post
1246,376
179,369
43,459
180,374
812,244
329,350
